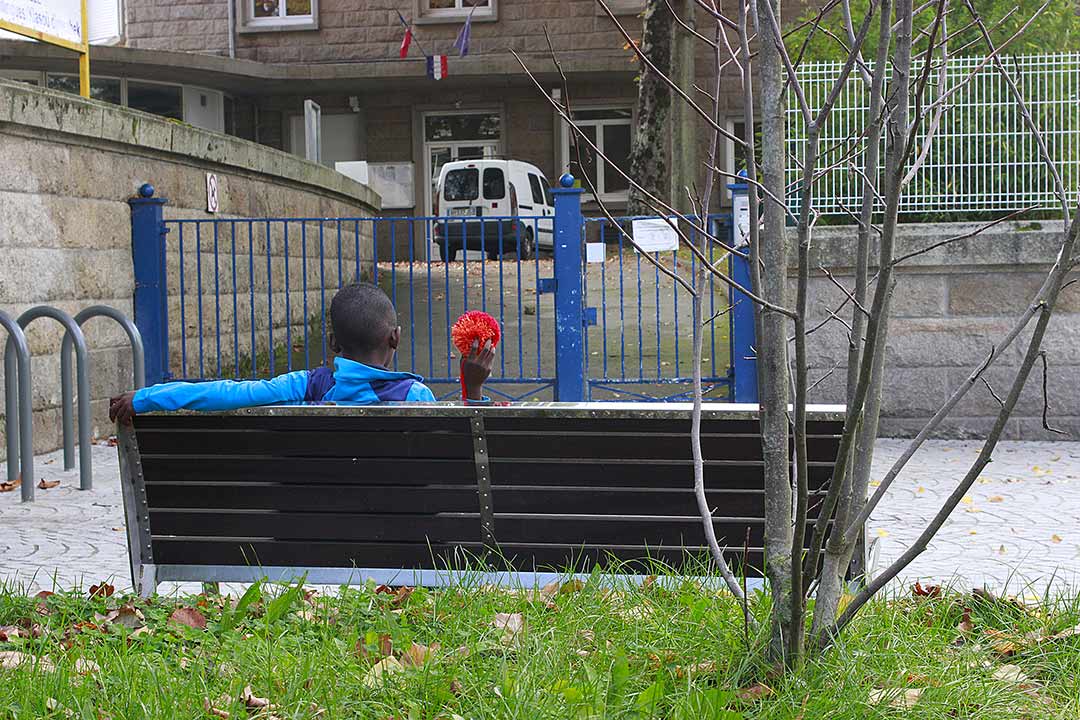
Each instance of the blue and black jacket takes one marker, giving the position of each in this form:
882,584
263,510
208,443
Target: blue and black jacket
349,383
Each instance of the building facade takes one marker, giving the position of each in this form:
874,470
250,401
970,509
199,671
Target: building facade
246,67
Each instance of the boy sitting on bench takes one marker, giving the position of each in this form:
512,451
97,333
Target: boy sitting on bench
364,337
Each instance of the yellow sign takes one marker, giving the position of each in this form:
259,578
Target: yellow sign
57,22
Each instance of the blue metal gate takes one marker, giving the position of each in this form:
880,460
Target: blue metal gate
249,298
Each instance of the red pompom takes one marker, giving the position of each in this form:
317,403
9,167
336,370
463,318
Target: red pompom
474,326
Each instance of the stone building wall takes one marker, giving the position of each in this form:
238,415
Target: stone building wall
69,167
951,306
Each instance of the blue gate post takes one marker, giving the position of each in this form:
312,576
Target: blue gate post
744,387
569,316
151,293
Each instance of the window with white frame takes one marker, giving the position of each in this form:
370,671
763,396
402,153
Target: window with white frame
610,130
263,15
735,159
453,10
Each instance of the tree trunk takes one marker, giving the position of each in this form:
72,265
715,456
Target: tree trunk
772,352
684,125
648,155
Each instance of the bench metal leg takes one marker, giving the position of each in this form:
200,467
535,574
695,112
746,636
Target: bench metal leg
146,584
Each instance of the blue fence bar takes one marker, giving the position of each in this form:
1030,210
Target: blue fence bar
569,316
614,327
151,296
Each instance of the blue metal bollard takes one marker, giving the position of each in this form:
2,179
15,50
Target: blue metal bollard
569,316
151,291
743,341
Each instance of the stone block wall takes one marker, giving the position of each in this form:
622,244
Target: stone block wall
69,167
951,306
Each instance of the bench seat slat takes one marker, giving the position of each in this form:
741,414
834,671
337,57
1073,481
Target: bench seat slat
304,443
634,446
451,527
442,498
306,471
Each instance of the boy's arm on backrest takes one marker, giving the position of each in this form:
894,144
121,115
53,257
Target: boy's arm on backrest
419,392
222,394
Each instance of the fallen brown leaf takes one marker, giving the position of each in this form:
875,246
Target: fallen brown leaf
402,595
252,701
932,591
9,485
1010,673
190,617
214,711
456,687
102,590
511,624
380,670
755,692
44,484
418,654
903,699
1067,633
86,667
966,625
707,667
995,499
385,647
1055,538
7,632
127,615
11,659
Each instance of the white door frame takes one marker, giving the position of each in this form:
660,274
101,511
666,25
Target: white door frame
427,145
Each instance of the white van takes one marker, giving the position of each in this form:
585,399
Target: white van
512,195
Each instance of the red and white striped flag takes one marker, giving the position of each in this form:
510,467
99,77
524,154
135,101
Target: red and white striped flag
436,67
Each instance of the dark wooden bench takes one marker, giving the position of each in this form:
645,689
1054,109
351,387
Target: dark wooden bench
408,494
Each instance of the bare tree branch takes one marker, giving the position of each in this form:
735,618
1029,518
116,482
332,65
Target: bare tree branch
965,236
1046,398
993,394
844,290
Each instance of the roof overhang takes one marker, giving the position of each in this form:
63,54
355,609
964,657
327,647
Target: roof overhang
247,77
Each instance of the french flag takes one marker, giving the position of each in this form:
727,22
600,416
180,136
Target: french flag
436,67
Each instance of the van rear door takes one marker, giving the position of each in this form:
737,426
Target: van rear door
461,188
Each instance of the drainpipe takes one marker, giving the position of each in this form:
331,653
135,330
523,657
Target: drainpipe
232,27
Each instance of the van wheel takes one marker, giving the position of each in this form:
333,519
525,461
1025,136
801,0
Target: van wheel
447,253
528,246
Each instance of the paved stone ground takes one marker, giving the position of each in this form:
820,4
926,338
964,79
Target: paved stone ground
1018,530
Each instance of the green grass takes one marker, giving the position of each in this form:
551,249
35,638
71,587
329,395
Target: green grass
669,650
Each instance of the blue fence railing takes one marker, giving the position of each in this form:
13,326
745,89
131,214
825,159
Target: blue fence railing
640,343
250,297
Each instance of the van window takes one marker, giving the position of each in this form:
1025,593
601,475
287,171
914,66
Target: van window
537,189
547,192
462,184
494,184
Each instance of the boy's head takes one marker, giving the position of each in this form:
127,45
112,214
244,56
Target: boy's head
364,324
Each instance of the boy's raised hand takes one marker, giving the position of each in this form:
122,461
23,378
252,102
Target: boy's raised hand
122,408
476,368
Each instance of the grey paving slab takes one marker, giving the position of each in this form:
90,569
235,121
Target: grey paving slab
1018,530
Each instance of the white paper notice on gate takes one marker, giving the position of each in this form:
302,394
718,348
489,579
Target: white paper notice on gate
655,235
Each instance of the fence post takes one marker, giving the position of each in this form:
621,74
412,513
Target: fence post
151,292
744,386
569,316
